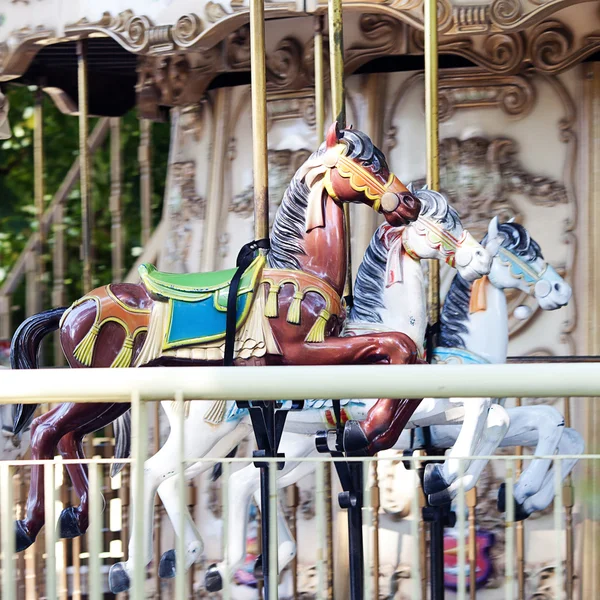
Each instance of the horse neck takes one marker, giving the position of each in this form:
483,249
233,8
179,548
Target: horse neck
488,329
405,306
325,248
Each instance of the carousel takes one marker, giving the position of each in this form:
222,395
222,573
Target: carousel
396,183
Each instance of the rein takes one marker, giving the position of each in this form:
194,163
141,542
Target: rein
244,259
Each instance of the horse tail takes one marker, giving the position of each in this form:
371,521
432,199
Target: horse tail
122,431
24,352
217,470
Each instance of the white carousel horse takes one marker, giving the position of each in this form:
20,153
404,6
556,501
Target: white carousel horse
437,234
518,263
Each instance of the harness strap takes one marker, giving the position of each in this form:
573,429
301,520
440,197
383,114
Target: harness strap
244,259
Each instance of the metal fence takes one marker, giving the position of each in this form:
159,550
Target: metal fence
141,386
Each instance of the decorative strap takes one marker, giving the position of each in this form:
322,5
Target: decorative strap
303,283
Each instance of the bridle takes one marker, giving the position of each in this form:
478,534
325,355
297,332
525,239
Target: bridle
523,270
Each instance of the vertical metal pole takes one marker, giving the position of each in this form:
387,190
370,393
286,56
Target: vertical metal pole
520,527
292,502
58,275
86,208
50,516
157,504
509,577
433,291
259,124
38,168
180,579
568,502
432,130
9,588
95,535
145,160
116,178
320,124
338,104
215,195
139,438
375,504
558,506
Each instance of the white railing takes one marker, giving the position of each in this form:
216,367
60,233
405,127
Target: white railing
138,386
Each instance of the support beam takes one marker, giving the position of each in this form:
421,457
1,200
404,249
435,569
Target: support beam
86,197
145,160
116,180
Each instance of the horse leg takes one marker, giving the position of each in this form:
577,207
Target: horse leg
438,477
74,520
183,522
497,425
157,469
549,425
243,484
47,430
571,443
388,417
286,543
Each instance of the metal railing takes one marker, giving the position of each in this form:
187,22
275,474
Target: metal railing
139,387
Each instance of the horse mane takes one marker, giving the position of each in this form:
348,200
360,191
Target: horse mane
455,312
370,278
287,235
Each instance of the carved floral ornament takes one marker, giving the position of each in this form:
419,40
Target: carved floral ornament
499,37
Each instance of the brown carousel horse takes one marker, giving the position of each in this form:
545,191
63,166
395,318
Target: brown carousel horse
289,312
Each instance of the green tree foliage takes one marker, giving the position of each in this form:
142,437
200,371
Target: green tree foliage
17,209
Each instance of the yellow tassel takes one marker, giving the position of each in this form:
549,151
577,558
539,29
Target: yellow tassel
293,315
271,308
317,332
85,349
123,359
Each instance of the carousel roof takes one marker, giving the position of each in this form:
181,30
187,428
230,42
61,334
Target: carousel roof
140,47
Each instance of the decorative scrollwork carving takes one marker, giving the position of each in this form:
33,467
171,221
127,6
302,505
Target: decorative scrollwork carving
284,66
379,37
238,48
504,13
186,29
214,12
504,51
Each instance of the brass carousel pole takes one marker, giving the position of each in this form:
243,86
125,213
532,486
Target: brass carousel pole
320,124
435,516
261,231
38,168
520,529
568,503
338,104
86,209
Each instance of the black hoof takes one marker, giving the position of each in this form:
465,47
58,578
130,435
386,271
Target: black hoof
167,565
355,439
440,498
118,580
433,479
520,513
68,524
22,537
212,579
258,568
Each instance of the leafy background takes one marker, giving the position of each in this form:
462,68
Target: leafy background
60,135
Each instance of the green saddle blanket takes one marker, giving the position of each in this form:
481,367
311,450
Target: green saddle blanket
198,301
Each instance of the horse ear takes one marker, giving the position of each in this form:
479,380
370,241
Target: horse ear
511,220
493,237
333,135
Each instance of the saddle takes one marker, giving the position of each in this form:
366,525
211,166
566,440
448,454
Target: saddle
198,301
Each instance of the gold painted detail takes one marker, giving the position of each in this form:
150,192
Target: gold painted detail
84,351
303,284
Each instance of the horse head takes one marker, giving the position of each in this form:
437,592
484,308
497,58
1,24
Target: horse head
351,169
518,264
439,234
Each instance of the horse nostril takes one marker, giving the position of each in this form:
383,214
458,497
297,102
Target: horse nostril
557,287
478,253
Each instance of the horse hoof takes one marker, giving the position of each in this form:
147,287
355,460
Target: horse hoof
167,565
23,539
68,524
258,568
440,498
212,579
520,513
118,580
433,479
355,439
